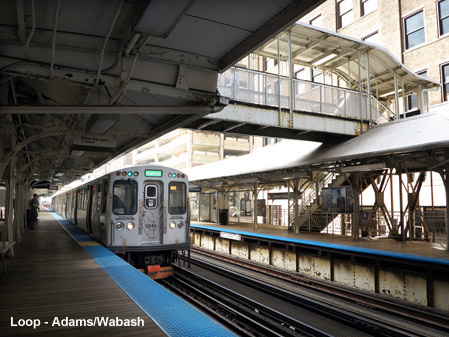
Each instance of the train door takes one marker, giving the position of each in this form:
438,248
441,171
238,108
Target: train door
152,213
103,198
89,200
94,218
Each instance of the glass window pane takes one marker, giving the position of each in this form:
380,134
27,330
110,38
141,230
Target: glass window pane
344,6
444,8
124,197
177,202
444,26
414,22
415,38
369,6
347,19
151,191
316,21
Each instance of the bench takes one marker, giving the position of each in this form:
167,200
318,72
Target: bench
5,248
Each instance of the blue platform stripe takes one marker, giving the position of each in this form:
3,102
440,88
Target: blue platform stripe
174,316
363,250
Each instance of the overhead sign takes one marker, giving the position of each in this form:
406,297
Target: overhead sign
53,188
195,189
94,143
280,195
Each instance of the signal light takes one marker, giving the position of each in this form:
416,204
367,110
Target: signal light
179,175
183,175
117,173
169,175
130,173
136,173
124,173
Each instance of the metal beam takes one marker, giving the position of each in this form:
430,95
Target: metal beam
119,109
286,18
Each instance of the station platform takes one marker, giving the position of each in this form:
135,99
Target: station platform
62,279
412,252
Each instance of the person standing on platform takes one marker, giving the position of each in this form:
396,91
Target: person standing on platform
33,205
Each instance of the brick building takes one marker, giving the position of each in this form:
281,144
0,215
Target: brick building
414,31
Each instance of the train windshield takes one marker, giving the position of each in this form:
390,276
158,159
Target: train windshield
177,198
125,197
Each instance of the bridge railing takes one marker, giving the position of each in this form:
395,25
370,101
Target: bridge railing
256,87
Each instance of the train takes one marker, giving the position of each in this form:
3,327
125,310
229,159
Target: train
141,213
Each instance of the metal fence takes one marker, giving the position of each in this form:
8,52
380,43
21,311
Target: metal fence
273,90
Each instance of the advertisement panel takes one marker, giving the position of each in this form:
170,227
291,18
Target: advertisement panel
338,199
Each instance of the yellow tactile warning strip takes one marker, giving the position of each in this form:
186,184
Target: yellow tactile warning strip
89,243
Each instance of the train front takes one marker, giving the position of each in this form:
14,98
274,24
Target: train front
149,217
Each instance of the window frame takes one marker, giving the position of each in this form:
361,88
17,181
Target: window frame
410,97
135,196
370,35
319,16
362,7
169,207
404,19
440,33
339,14
444,92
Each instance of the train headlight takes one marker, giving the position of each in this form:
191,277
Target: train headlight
180,224
172,224
130,226
119,226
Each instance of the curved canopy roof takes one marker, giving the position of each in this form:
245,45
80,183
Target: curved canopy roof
317,47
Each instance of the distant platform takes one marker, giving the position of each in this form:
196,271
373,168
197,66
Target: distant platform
413,251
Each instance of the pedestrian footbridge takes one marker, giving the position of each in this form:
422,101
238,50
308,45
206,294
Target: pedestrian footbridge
323,85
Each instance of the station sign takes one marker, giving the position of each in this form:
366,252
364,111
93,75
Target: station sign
280,195
194,189
52,188
231,236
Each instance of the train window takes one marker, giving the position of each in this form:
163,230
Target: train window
151,196
177,198
124,197
151,191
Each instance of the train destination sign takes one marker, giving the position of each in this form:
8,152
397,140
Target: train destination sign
153,173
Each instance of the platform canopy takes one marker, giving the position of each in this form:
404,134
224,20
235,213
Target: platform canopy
83,81
320,48
413,144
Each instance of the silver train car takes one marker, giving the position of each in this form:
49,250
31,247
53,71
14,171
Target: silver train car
140,213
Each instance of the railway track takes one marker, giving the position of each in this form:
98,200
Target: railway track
388,307
412,322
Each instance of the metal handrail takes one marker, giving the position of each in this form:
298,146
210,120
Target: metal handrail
261,95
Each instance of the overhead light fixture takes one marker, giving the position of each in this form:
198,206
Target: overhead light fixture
76,153
324,59
161,16
100,124
59,174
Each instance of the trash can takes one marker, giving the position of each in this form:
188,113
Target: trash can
223,216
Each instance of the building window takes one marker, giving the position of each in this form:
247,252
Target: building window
412,100
345,13
443,16
368,6
316,21
373,38
317,76
445,81
414,30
